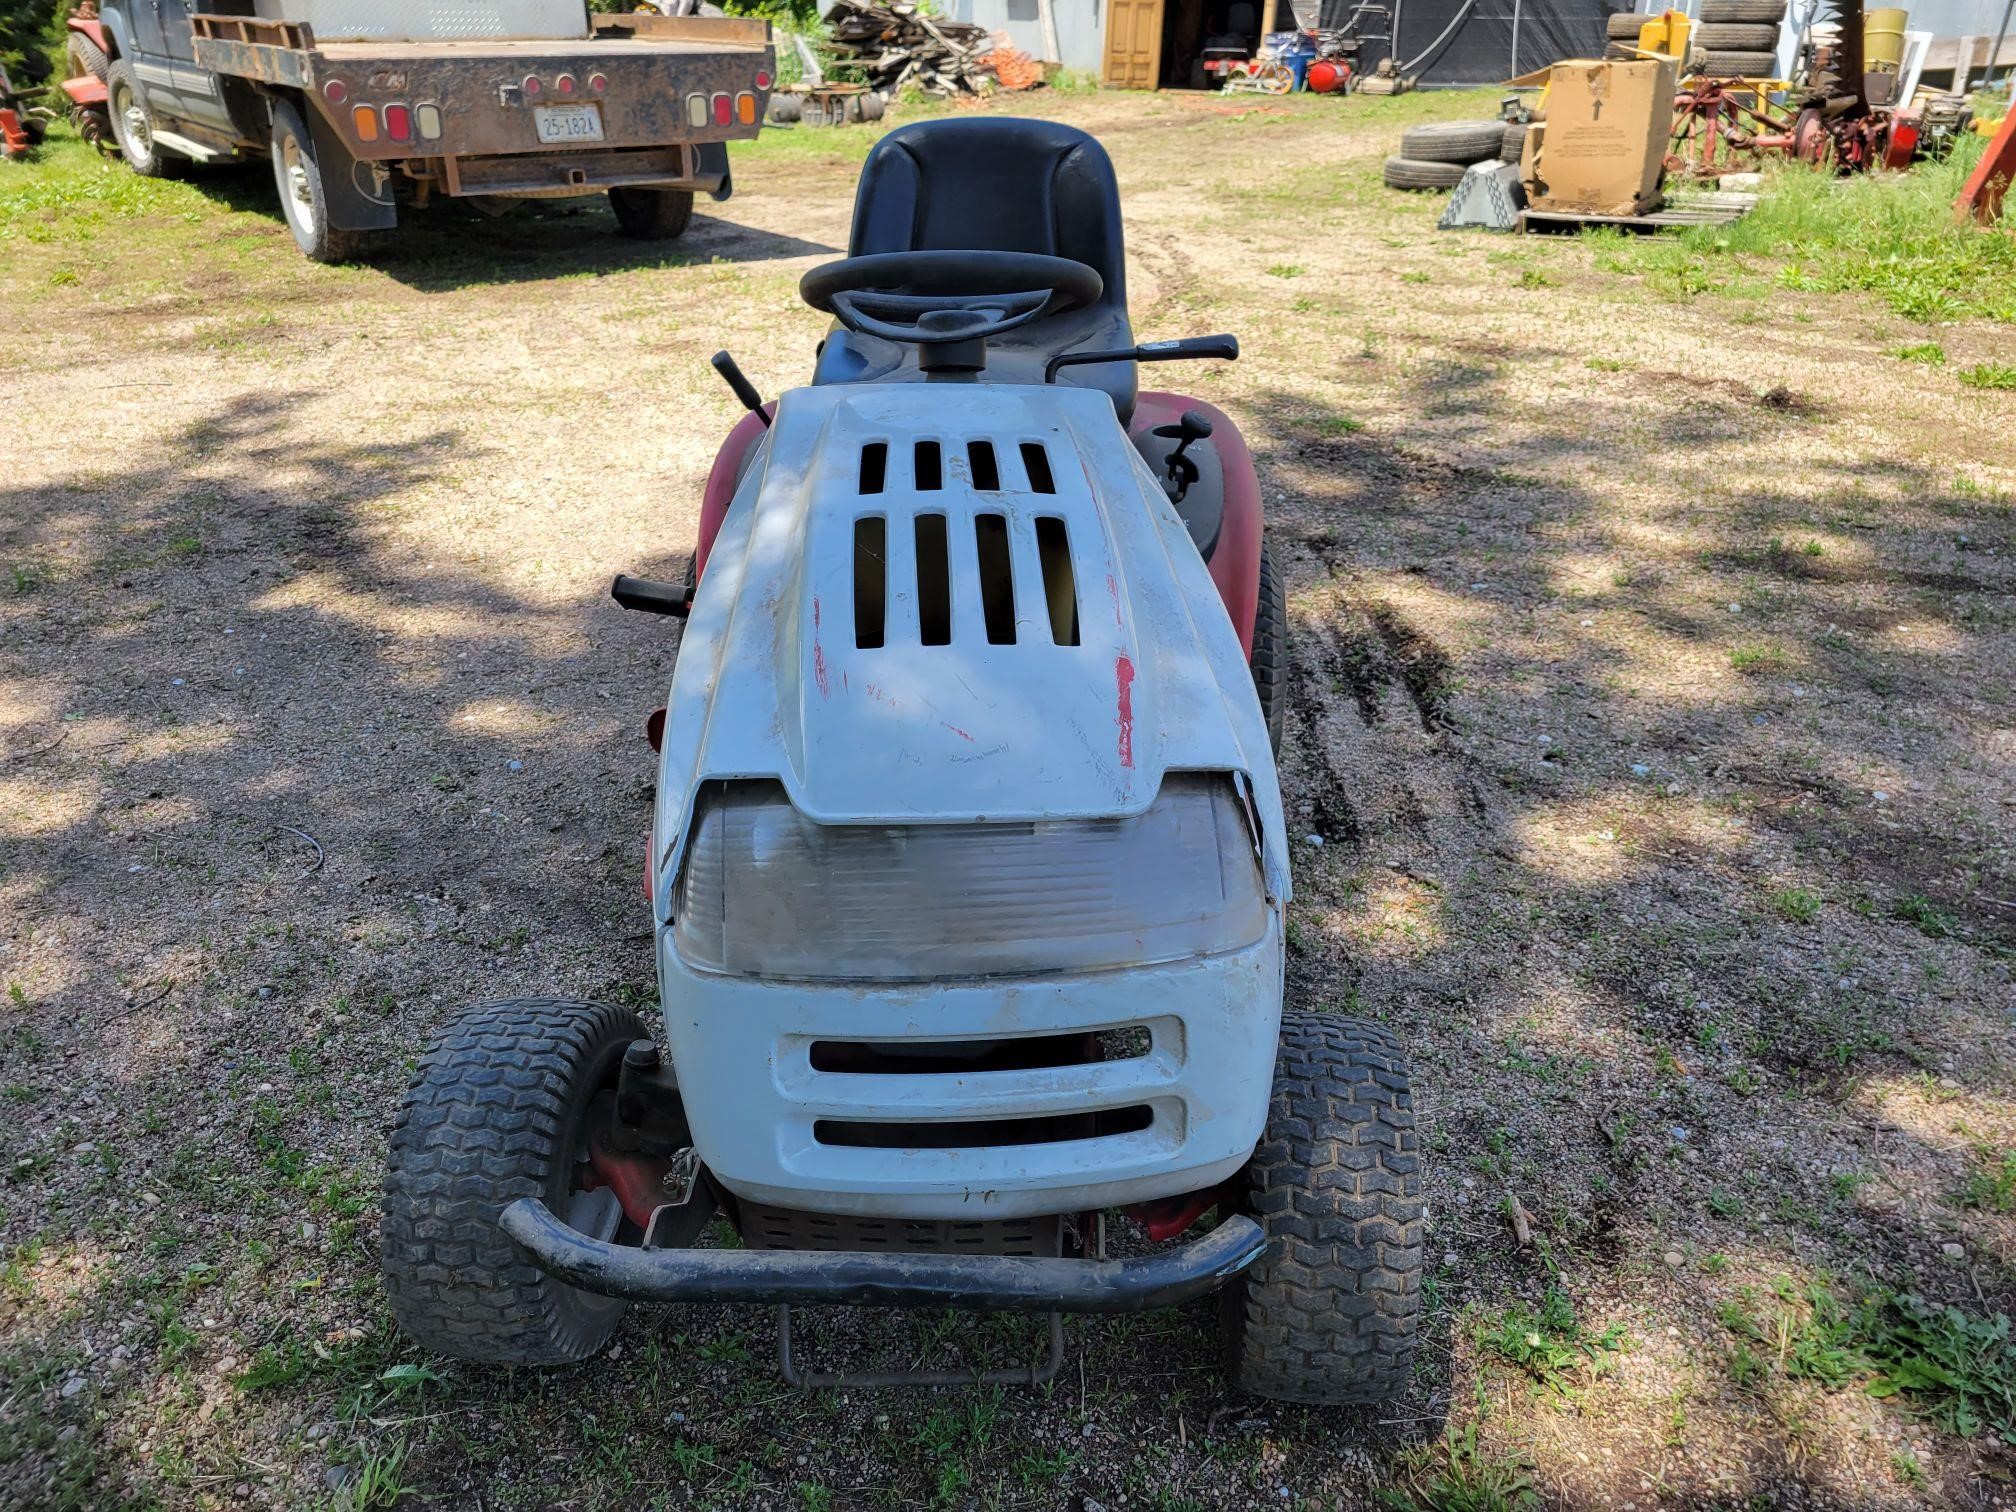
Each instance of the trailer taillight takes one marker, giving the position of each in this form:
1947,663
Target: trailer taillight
745,108
724,110
696,110
365,119
564,84
598,83
429,119
399,123
531,86
335,91
762,80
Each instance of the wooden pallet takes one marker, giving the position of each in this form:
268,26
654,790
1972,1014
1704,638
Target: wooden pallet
1696,210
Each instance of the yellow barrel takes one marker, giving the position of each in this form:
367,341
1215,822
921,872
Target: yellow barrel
1883,40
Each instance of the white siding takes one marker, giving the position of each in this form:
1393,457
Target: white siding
1081,26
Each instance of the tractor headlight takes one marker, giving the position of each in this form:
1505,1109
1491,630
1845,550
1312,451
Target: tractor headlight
766,892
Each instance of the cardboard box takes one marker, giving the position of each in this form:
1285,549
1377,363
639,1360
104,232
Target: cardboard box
1602,150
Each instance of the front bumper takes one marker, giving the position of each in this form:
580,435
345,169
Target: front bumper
764,1115
980,1283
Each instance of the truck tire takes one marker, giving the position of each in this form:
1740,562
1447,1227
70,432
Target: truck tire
1513,147
1329,1315
497,1111
1721,12
1463,142
133,125
1624,26
1738,65
1413,173
304,200
83,56
1270,649
652,214
1738,36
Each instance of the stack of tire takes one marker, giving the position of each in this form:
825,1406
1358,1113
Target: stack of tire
1735,39
1437,155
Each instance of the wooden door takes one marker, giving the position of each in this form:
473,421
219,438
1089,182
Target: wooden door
1133,44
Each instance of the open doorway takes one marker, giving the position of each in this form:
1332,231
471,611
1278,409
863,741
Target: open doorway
1201,37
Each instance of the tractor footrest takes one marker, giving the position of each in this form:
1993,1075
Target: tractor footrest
983,1283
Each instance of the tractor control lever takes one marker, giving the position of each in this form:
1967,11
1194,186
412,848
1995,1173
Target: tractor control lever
1194,425
652,597
744,389
1189,349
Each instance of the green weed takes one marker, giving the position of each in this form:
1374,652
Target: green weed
1753,660
1993,1186
1990,375
1799,904
1933,922
1930,353
1551,1345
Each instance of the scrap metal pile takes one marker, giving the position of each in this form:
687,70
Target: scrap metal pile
894,44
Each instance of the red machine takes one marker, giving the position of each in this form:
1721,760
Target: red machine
1981,199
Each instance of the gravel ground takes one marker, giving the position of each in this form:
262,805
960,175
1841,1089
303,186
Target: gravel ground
1651,706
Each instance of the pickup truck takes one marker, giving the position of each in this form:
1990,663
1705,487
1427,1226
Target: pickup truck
365,105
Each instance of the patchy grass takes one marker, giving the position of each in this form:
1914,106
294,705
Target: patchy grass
1926,353
1799,904
1550,1343
1891,235
1989,375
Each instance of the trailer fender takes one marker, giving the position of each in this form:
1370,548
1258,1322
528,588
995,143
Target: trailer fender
358,197
710,161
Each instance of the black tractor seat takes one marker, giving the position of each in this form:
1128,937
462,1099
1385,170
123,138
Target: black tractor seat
996,183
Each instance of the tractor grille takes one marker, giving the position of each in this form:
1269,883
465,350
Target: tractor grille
774,1228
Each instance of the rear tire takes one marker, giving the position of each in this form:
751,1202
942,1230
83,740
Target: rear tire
497,1111
133,125
83,56
304,196
1270,649
1513,147
1413,173
1624,26
1329,1315
652,214
1463,142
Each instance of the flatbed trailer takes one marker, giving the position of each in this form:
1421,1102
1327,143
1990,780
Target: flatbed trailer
640,107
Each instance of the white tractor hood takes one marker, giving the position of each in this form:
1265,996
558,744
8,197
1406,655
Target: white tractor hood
860,719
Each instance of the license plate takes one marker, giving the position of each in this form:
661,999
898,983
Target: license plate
568,123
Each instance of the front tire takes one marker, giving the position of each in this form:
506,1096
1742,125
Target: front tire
304,196
652,214
133,124
498,1110
1329,1315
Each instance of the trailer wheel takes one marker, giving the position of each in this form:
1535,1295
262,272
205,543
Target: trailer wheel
498,1110
1329,1314
1461,142
303,199
133,125
1718,64
652,214
1414,173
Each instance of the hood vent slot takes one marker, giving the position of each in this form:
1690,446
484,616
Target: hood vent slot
986,471
1036,462
1060,584
934,581
871,580
997,578
930,467
874,466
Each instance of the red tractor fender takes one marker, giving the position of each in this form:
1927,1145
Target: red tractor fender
95,30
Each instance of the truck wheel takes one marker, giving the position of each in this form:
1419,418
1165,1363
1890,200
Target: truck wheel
133,125
83,56
498,1110
303,199
652,214
1329,1314
1270,649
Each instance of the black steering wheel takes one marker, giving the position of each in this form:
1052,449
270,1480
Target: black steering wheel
931,298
